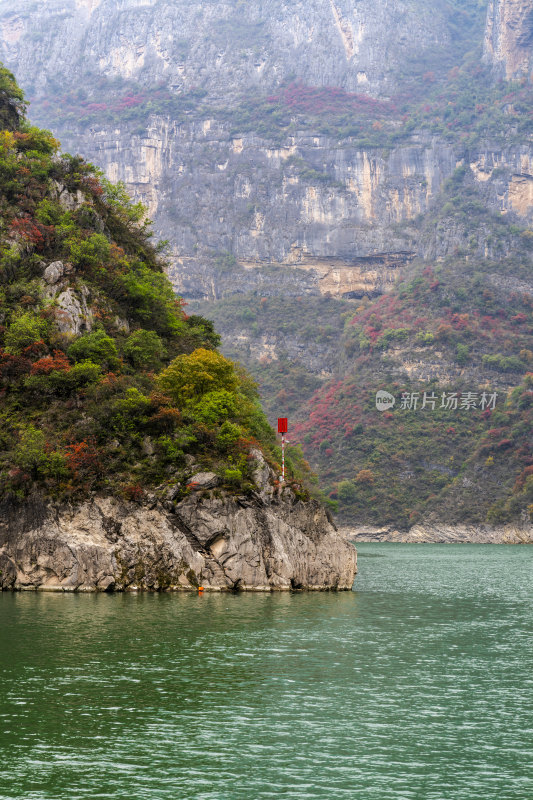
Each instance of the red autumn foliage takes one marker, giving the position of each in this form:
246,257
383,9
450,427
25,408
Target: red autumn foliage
521,479
83,459
166,419
27,230
504,444
56,363
134,493
330,100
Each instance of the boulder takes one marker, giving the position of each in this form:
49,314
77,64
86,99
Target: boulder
54,272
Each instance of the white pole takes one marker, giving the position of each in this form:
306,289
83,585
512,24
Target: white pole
283,458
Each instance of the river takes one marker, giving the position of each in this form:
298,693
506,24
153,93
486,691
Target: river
417,685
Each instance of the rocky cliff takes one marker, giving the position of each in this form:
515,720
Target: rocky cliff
445,534
225,46
270,541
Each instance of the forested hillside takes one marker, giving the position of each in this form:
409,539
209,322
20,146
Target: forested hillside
106,383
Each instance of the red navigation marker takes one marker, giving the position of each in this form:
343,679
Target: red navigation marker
282,428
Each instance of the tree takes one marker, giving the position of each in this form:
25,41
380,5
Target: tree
346,491
30,453
215,407
23,331
97,347
462,354
190,377
144,348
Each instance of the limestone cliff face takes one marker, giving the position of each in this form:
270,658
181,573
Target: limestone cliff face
440,533
509,37
261,543
225,46
325,208
334,233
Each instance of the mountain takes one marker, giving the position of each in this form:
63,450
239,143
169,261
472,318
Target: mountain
347,191
134,455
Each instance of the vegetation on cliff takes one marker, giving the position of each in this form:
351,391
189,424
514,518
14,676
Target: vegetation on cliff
460,324
105,382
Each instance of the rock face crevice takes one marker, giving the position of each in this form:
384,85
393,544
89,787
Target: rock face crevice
221,543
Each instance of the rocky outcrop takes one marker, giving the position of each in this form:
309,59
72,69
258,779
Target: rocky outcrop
264,542
509,37
444,534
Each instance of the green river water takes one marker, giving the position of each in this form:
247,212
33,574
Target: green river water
418,684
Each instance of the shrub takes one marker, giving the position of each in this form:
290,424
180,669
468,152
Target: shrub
48,364
83,460
134,493
30,454
215,407
346,491
97,347
233,476
91,252
462,354
228,435
127,412
83,374
365,476
25,329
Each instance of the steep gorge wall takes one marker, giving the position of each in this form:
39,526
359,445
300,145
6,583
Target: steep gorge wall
347,230
509,37
313,203
225,46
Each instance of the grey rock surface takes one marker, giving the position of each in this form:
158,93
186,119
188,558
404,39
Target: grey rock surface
203,480
73,314
440,533
222,543
509,37
221,45
54,272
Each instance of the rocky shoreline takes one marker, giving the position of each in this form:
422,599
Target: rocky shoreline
269,541
443,534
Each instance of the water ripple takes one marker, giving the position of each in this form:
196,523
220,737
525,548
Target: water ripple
416,686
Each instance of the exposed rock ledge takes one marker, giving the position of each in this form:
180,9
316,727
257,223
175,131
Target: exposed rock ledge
444,534
221,543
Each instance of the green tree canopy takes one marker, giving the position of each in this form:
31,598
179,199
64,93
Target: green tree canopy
96,346
25,329
189,377
144,348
